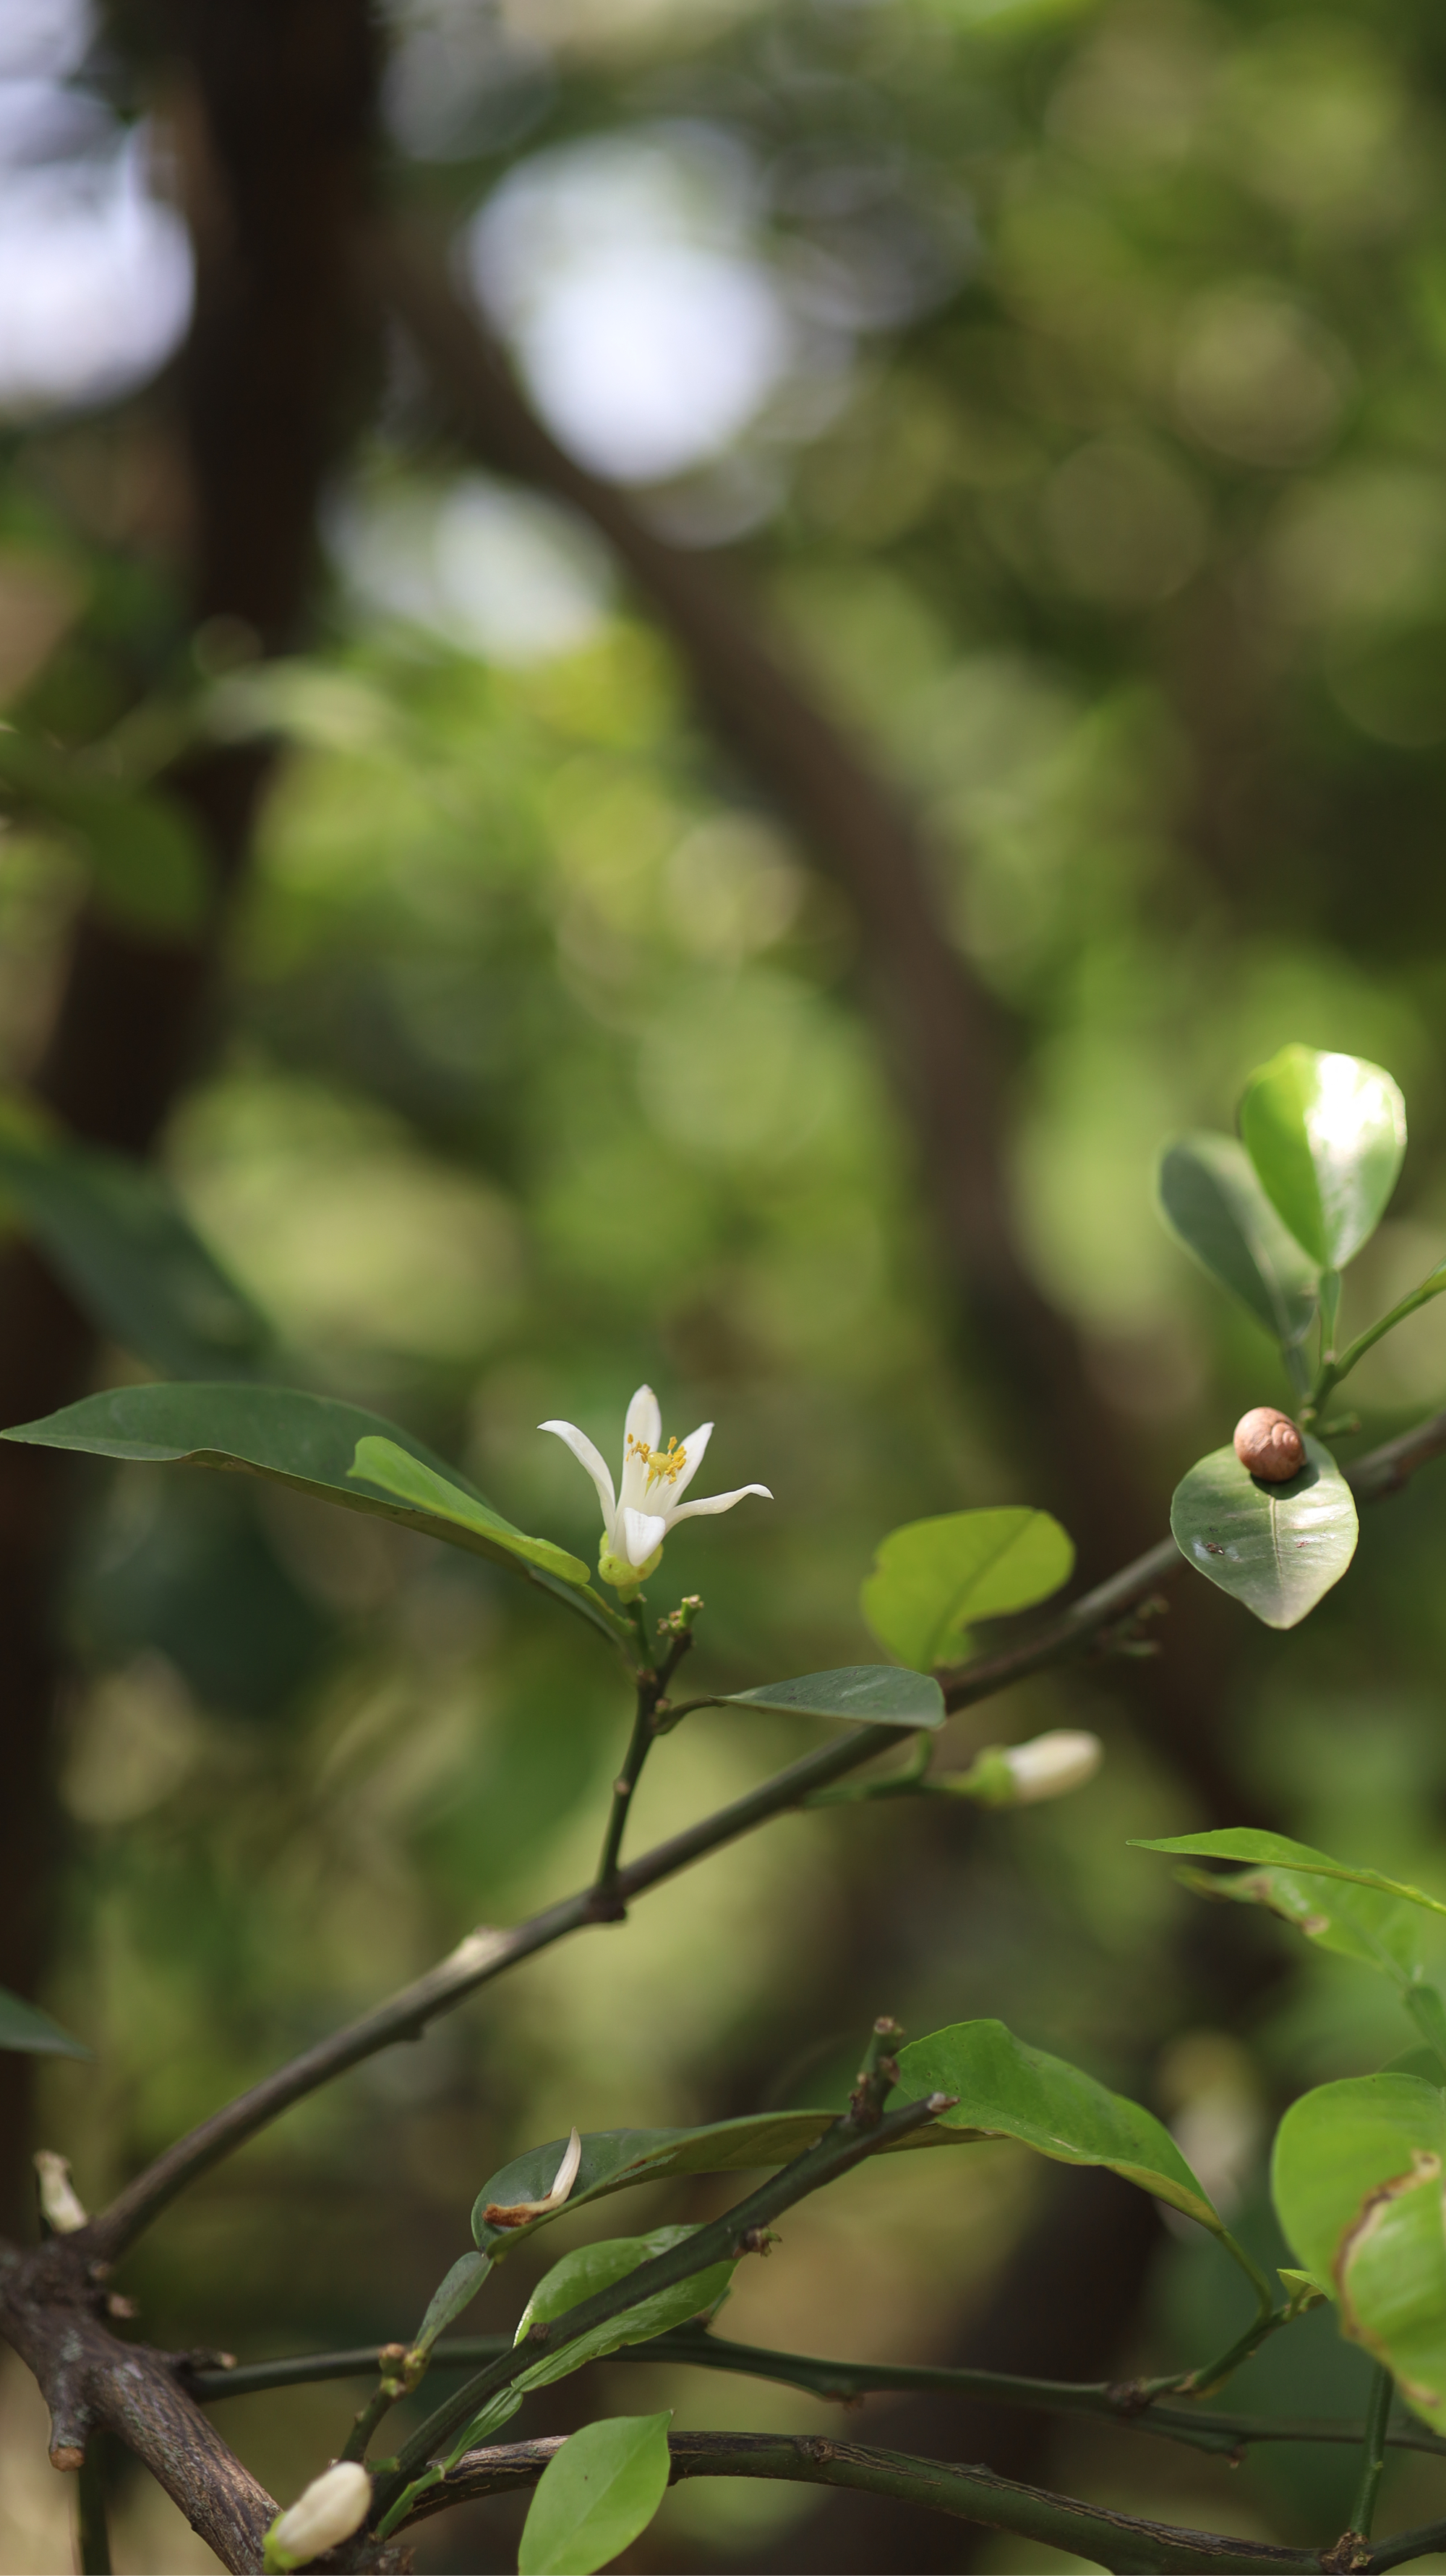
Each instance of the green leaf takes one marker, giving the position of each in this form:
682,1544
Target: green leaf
1277,1548
590,2268
1357,2180
617,2159
308,1441
1245,1842
1326,1134
1006,2090
868,1694
120,1241
1212,1200
381,1463
580,2276
931,1578
147,860
596,2495
451,2297
1378,1931
25,2027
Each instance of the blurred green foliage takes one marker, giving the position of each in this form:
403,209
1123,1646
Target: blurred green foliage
546,1067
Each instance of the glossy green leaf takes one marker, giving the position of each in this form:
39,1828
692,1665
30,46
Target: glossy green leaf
147,860
308,1441
452,2296
580,2276
1357,2178
932,1577
1276,1548
1247,1843
120,1241
25,2027
1213,1201
596,2495
1326,1134
383,1465
1006,2090
617,2159
869,1694
590,2268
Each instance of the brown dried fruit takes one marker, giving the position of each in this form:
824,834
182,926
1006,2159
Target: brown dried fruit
1268,1443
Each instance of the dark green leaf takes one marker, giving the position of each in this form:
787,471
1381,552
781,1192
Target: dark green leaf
124,1247
596,2495
1276,1548
616,2159
25,2027
870,1694
308,1441
1357,2179
1214,1203
932,1578
1244,1842
1326,1134
451,2297
1006,2090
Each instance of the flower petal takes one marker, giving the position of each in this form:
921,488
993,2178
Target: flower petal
591,1458
645,1419
719,1502
696,1447
642,1532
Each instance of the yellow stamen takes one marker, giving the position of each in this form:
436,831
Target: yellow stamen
663,1465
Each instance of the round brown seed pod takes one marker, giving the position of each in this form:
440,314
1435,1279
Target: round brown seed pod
1268,1443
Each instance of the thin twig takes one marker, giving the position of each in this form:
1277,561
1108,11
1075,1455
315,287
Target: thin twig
847,2382
1113,2540
485,1954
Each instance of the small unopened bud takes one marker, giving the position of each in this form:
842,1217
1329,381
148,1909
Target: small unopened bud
60,2203
1050,1765
1269,1444
333,2507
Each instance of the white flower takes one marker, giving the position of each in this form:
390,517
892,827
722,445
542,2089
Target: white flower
331,2509
638,1517
1049,1765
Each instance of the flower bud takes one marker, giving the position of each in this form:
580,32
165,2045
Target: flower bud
331,2509
59,2201
1049,1765
1268,1443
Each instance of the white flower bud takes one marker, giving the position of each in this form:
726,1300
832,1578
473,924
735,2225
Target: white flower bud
332,2508
1049,1765
61,2203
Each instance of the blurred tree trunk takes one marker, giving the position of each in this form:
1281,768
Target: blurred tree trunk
275,129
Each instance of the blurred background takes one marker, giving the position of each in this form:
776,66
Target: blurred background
679,673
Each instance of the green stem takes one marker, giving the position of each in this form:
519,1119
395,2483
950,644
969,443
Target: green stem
640,1744
92,2528
1332,1371
1204,2382
689,2346
1105,2539
1373,2451
857,2135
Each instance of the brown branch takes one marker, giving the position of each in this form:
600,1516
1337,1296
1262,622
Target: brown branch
967,2494
49,2312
